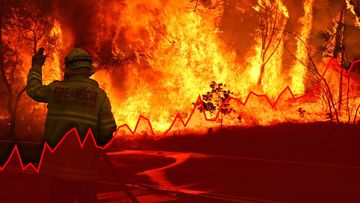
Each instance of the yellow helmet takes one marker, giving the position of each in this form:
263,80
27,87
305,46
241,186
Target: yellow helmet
77,60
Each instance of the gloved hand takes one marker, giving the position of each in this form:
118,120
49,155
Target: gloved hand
39,58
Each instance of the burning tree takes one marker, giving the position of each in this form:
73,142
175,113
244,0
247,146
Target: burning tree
333,47
22,26
316,76
354,6
272,15
217,100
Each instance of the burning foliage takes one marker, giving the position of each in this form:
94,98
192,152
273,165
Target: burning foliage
154,58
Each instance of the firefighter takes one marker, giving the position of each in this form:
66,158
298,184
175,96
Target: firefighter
75,102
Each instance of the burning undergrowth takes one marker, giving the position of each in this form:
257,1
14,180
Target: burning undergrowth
155,58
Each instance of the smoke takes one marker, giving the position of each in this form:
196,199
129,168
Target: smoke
239,26
79,17
83,20
161,55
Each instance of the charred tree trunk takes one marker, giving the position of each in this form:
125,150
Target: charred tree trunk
221,120
356,113
348,97
339,47
340,91
262,73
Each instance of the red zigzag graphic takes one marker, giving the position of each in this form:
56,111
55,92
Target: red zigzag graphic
89,135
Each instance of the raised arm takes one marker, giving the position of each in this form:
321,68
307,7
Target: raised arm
34,87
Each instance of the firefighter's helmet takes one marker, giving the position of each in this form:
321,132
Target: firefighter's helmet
77,60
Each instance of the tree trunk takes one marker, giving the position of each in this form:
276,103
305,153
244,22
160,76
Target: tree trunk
221,120
14,112
340,47
356,113
340,92
348,97
262,73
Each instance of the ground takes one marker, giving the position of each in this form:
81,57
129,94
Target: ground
285,163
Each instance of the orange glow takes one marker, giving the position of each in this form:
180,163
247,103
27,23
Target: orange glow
165,54
299,70
350,7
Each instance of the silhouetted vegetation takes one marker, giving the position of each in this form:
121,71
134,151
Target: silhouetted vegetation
23,25
217,100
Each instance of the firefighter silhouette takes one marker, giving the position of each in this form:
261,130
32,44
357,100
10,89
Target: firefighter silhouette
75,102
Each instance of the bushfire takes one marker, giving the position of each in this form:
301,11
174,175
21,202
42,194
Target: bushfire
184,66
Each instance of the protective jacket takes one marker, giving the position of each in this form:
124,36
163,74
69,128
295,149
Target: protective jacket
76,102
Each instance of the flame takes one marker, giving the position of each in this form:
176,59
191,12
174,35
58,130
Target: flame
299,71
163,55
273,82
351,8
52,67
178,51
183,54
